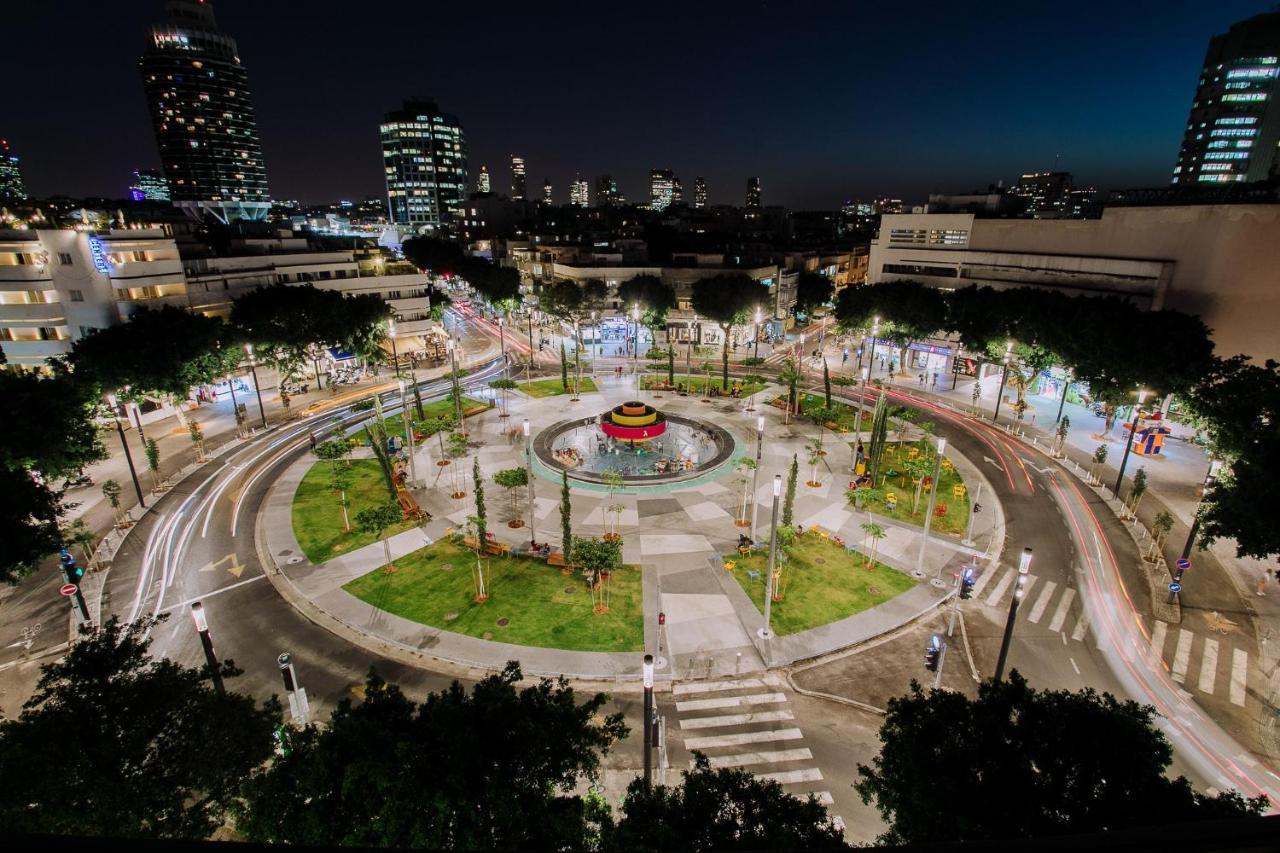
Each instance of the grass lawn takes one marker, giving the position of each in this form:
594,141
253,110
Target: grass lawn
434,409
541,606
951,523
698,381
821,583
317,515
553,387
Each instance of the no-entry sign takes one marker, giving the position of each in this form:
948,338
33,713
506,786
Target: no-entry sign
68,589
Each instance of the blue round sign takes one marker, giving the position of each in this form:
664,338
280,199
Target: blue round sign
1183,564
1175,587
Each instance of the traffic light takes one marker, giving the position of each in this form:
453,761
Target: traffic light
966,584
932,653
70,568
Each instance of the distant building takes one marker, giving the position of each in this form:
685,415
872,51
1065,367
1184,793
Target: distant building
579,192
661,188
149,185
202,112
677,190
606,191
888,205
1045,195
753,192
546,190
699,192
517,177
482,182
424,156
11,184
1233,130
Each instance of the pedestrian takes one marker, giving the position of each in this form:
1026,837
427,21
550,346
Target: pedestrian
312,436
1262,580
845,356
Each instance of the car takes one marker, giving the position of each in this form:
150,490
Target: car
78,481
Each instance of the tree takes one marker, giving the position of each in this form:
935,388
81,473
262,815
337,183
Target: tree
437,427
813,289
826,383
505,386
747,465
512,479
566,519
613,481
482,513
197,439
77,533
671,364
333,452
111,491
127,745
597,557
1099,458
908,310
493,768
573,302
1137,490
376,431
1160,527
152,451
1041,763
655,297
564,368
726,300
790,377
375,520
874,532
814,448
721,809
1064,426
789,500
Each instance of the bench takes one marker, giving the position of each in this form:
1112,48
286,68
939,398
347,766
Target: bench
496,549
410,508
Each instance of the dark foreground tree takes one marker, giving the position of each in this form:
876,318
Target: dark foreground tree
812,290
727,300
116,743
489,769
1023,763
721,809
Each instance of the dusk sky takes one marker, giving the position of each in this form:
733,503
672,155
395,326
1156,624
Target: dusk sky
824,101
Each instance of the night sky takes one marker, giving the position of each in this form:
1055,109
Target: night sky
824,101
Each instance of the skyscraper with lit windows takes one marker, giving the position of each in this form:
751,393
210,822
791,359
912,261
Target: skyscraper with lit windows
699,192
661,188
482,182
753,192
1234,126
11,184
517,177
202,113
579,192
424,156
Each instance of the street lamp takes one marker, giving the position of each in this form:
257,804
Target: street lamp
1210,478
1133,433
128,457
1024,566
871,355
759,316
648,715
453,367
528,470
635,341
502,342
857,418
395,356
298,705
1004,375
933,499
408,433
202,628
688,353
253,368
766,633
755,478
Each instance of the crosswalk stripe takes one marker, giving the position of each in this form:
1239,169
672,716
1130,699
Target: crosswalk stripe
1239,672
1005,580
1028,582
824,797
1157,641
1182,655
727,720
1082,627
1209,666
713,686
789,777
770,756
984,578
742,738
1042,602
1064,604
730,702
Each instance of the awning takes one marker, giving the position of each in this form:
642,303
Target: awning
340,354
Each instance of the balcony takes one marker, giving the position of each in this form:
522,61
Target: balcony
137,273
406,328
20,277
34,353
37,313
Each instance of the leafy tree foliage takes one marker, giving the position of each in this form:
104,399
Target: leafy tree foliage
723,809
654,296
29,514
296,320
1032,763
492,768
596,555
812,290
117,743
496,284
727,299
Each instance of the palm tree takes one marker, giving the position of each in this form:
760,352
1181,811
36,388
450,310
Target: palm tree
875,533
790,377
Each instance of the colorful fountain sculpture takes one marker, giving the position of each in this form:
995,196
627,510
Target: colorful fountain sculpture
633,422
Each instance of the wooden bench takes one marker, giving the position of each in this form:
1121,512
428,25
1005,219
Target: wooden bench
497,549
556,558
410,508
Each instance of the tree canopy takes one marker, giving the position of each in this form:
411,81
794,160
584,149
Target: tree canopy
812,290
495,283
727,300
654,296
1028,764
569,300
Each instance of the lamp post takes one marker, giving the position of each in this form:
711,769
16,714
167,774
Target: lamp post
206,642
1066,383
755,478
1024,565
857,418
1209,478
502,343
453,367
128,457
595,342
528,370
766,632
688,353
1004,375
253,368
648,715
395,356
871,354
133,409
528,470
635,341
755,353
299,708
235,405
800,355
408,435
933,499
1133,433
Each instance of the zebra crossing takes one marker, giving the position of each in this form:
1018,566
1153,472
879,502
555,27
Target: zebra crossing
746,723
1206,664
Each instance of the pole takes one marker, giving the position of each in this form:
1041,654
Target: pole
206,642
128,457
453,366
968,531
253,368
933,500
942,657
137,420
766,632
502,342
1209,479
528,470
1004,374
755,478
395,355
688,352
1133,433
857,419
408,435
298,705
955,603
1023,567
1066,383
528,370
648,715
235,406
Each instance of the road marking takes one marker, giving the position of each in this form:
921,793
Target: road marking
1042,603
1082,627
1005,580
1060,615
767,757
788,777
712,686
1209,666
727,720
824,797
1155,652
984,578
730,702
1239,671
1182,655
211,594
1073,665
741,739
1028,582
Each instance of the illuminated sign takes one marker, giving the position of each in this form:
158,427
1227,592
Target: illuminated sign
99,254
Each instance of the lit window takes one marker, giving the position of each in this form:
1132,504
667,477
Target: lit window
1217,167
1251,97
1221,131
1227,155
1251,73
1237,120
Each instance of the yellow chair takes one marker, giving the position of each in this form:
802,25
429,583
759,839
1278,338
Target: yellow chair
958,490
729,565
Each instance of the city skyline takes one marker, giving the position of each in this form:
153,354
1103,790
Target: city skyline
777,121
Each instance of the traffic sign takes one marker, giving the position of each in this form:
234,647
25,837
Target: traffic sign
68,589
1183,564
1175,587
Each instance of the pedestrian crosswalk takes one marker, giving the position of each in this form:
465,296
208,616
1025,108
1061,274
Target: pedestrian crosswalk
746,723
1205,663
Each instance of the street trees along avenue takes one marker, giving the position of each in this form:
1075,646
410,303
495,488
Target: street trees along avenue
292,322
908,312
116,743
813,289
727,300
654,296
496,284
1024,763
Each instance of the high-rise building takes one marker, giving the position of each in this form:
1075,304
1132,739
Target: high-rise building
424,156
1234,125
579,192
677,190
11,185
546,191
699,192
1047,195
482,182
753,192
149,185
606,191
202,112
517,177
661,188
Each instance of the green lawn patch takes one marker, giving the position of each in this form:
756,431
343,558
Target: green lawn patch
541,607
695,383
317,514
434,409
821,583
951,522
554,387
